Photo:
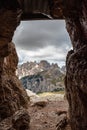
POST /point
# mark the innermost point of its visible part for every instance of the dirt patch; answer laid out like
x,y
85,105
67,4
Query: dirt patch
x,y
50,116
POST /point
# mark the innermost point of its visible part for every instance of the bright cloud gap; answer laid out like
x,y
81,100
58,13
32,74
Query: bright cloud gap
x,y
42,40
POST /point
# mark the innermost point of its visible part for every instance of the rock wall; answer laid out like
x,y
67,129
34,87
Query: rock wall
x,y
76,76
75,14
13,98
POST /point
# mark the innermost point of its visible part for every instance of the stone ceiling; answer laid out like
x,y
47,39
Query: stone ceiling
x,y
41,9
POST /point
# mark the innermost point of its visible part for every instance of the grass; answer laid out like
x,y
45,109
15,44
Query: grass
x,y
51,93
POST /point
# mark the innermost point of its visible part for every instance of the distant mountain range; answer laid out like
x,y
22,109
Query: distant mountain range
x,y
42,76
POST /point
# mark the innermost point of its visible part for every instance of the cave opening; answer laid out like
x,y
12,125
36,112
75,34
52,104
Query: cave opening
x,y
42,46
76,83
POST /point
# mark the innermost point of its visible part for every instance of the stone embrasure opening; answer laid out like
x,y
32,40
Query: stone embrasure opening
x,y
75,15
42,54
39,44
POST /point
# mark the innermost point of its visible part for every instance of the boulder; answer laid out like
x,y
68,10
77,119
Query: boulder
x,y
36,100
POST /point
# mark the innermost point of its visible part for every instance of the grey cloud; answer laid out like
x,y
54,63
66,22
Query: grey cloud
x,y
38,34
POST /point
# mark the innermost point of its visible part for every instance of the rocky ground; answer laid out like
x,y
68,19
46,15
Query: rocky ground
x,y
48,112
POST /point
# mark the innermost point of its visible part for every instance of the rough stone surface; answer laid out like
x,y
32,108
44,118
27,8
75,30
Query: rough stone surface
x,y
76,76
75,14
19,121
12,96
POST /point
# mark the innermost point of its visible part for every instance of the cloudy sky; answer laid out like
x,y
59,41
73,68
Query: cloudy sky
x,y
42,40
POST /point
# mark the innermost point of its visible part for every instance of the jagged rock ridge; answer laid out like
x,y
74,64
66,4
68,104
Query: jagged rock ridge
x,y
31,68
45,76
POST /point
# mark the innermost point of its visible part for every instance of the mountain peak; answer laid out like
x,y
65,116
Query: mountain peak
x,y
41,77
31,68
